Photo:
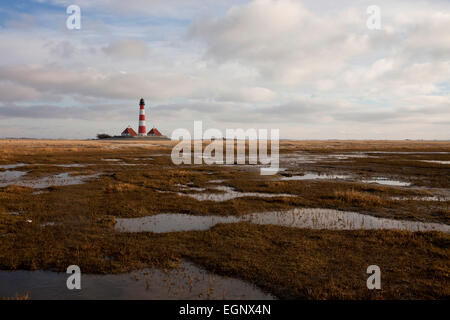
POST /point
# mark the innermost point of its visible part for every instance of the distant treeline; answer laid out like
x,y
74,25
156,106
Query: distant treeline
x,y
103,136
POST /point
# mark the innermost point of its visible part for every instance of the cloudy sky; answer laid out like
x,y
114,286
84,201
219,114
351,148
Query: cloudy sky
x,y
311,68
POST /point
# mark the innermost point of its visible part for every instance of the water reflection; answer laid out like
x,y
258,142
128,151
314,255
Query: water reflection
x,y
309,218
186,282
228,193
63,179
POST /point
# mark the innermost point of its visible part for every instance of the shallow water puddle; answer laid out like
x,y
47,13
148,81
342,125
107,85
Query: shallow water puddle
x,y
48,224
12,174
421,198
171,222
324,176
311,158
388,182
186,187
13,166
229,193
341,220
314,176
72,165
186,282
299,218
436,161
11,177
40,192
69,165
294,158
62,179
216,181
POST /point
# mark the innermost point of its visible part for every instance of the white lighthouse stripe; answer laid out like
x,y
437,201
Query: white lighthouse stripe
x,y
141,123
142,112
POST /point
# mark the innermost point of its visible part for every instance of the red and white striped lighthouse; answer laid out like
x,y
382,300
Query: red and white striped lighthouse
x,y
142,129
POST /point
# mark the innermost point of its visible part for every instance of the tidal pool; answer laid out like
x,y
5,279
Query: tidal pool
x,y
216,181
186,282
295,158
229,193
307,218
325,176
62,179
422,198
11,177
388,182
71,165
186,187
436,161
171,222
314,176
12,166
68,165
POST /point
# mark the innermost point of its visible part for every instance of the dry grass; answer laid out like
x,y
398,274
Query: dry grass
x,y
120,187
311,264
290,263
365,145
17,297
358,198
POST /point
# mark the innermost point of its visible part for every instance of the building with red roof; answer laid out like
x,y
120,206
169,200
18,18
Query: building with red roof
x,y
154,133
129,132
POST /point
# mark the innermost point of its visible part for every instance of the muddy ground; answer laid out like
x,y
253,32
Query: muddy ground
x,y
49,223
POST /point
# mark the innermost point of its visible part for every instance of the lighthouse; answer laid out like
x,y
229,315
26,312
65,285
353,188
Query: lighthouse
x,y
153,134
142,129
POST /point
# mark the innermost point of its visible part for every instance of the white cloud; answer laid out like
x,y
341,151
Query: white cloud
x,y
252,94
283,40
311,68
128,48
96,83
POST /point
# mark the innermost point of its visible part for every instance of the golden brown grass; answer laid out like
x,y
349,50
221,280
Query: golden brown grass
x,y
365,145
312,264
17,297
290,263
358,198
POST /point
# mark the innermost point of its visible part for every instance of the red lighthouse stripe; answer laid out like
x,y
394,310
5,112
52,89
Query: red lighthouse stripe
x,y
142,129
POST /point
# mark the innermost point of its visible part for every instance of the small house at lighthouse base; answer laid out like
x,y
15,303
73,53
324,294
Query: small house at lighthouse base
x,y
128,132
154,133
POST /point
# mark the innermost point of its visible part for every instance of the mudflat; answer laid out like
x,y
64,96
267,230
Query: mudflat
x,y
62,203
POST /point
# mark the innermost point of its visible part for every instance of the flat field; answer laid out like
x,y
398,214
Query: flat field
x,y
122,208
